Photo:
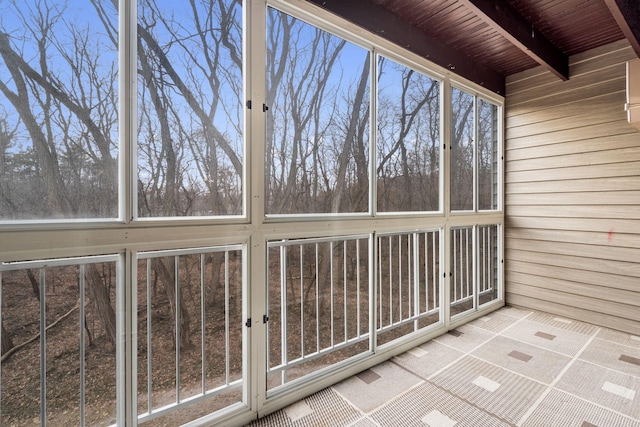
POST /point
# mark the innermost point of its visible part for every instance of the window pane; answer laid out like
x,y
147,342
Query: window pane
x,y
408,169
488,265
190,115
318,304
317,143
59,332
189,332
488,182
462,116
408,284
463,278
58,110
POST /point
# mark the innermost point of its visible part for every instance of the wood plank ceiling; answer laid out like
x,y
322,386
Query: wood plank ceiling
x,y
487,40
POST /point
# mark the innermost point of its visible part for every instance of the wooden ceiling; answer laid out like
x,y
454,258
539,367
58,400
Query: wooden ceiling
x,y
487,40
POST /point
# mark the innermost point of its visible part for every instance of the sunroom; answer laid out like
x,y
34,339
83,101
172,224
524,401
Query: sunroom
x,y
212,209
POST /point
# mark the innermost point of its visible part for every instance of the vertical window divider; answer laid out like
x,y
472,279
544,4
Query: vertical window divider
x,y
203,323
127,127
126,339
344,289
373,132
283,310
302,347
178,315
476,140
227,367
149,342
444,279
43,347
256,279
475,270
373,295
81,283
416,275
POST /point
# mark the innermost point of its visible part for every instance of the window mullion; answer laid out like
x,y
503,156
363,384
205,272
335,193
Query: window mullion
x,y
476,138
373,130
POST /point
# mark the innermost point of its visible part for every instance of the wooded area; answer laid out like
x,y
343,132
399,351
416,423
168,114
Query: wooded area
x,y
61,152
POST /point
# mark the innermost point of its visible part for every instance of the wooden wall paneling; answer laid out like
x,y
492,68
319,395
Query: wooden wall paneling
x,y
572,193
598,284
629,169
600,225
589,315
604,143
627,272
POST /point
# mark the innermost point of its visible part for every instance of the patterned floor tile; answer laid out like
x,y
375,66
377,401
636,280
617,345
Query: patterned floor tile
x,y
563,323
532,362
497,371
429,405
517,312
614,356
619,337
436,356
491,388
611,389
465,338
369,393
562,409
494,322
325,408
547,336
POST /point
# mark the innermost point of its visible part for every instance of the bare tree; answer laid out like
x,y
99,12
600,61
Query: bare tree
x,y
408,139
462,142
44,104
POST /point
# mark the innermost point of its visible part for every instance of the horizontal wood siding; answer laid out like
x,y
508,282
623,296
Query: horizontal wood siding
x,y
572,192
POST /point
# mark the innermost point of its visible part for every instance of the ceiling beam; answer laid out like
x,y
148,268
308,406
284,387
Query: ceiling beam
x,y
380,21
507,21
627,16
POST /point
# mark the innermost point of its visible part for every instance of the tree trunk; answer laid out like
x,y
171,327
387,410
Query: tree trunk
x,y
35,286
102,303
167,277
7,342
217,261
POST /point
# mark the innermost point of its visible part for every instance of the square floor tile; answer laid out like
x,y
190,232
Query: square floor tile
x,y
619,337
563,323
496,390
428,405
547,336
494,322
517,312
437,357
469,339
367,396
615,356
562,409
533,362
364,422
314,410
603,386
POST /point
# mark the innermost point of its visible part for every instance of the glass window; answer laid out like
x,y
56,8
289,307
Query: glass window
x,y
408,283
317,141
318,304
475,181
59,341
58,110
462,147
190,332
488,181
190,112
408,167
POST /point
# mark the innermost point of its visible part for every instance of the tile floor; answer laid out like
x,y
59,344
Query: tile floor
x,y
513,367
